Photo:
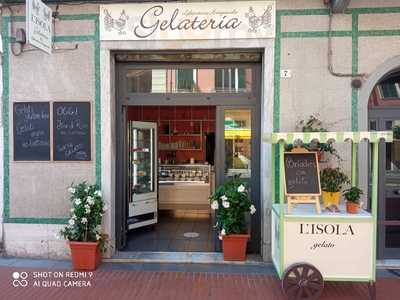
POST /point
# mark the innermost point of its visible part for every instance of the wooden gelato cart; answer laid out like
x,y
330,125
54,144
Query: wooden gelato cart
x,y
312,245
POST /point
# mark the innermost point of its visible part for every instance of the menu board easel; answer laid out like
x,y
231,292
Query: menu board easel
x,y
302,181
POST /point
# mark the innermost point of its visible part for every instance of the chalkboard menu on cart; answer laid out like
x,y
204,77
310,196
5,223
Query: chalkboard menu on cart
x,y
31,130
301,173
71,131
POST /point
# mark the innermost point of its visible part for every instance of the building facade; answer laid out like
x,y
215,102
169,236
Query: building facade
x,y
306,67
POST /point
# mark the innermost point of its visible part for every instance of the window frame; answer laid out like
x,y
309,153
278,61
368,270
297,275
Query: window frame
x,y
176,98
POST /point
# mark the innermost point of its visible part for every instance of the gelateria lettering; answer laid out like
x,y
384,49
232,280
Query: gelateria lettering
x,y
154,19
326,229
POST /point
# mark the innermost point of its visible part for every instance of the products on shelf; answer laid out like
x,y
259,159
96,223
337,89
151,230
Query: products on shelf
x,y
184,173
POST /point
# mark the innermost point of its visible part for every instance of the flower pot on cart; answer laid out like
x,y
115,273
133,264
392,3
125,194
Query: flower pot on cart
x,y
330,198
352,196
85,255
352,207
234,246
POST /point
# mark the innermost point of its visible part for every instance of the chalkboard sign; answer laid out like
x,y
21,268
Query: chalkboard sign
x,y
31,129
71,131
301,173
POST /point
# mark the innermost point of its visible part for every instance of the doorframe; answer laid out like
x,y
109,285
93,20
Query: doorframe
x,y
254,101
255,235
381,115
364,115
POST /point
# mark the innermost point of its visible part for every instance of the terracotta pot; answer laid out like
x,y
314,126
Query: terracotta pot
x,y
85,255
352,208
234,246
329,198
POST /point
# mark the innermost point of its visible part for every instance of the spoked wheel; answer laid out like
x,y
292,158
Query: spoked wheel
x,y
372,290
302,282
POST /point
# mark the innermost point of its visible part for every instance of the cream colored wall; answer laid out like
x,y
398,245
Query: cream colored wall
x,y
39,189
312,89
68,76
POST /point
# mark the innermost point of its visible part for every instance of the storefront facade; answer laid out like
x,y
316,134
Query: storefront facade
x,y
294,83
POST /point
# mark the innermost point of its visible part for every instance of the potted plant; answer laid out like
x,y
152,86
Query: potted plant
x,y
232,204
352,196
332,181
84,226
314,124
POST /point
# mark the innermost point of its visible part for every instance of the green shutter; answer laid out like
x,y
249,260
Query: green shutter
x,y
242,78
185,79
389,90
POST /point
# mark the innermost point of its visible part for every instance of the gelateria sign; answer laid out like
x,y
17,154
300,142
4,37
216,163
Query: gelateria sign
x,y
39,25
176,21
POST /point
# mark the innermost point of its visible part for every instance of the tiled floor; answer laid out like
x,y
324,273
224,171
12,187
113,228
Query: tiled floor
x,y
168,233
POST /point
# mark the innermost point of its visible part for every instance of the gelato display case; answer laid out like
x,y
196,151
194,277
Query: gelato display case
x,y
185,186
142,175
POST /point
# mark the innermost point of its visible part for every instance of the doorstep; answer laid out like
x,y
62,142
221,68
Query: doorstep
x,y
180,257
388,264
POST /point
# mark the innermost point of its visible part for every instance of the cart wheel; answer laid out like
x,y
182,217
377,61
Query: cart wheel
x,y
372,290
302,281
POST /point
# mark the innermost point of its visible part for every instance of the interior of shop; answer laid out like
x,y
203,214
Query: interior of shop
x,y
185,178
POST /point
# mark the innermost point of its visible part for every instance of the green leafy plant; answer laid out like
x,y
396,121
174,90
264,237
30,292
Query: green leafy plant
x,y
353,194
332,180
314,124
86,215
231,202
396,131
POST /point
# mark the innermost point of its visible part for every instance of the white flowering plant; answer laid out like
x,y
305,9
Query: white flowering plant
x,y
84,224
231,203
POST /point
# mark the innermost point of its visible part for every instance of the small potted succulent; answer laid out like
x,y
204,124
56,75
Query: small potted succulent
x,y
84,226
352,196
332,181
232,205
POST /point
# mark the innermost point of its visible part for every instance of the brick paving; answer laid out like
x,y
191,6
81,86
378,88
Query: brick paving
x,y
153,285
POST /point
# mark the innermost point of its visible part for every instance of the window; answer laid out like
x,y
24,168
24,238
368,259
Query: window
x,y
389,90
230,80
185,80
189,80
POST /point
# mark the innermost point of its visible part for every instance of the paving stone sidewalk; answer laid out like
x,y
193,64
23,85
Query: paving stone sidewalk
x,y
165,281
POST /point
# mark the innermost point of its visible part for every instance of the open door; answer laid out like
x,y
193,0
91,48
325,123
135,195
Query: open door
x,y
141,174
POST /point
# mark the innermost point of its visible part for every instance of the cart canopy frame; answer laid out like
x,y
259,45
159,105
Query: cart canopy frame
x,y
355,138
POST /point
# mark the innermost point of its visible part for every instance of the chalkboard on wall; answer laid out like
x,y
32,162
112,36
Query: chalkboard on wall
x,y
31,130
71,131
301,173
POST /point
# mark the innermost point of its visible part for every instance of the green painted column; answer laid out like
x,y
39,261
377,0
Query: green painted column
x,y
281,207
354,159
281,174
374,203
273,177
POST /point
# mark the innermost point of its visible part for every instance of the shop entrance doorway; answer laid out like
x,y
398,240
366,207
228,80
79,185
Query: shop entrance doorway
x,y
384,114
206,120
